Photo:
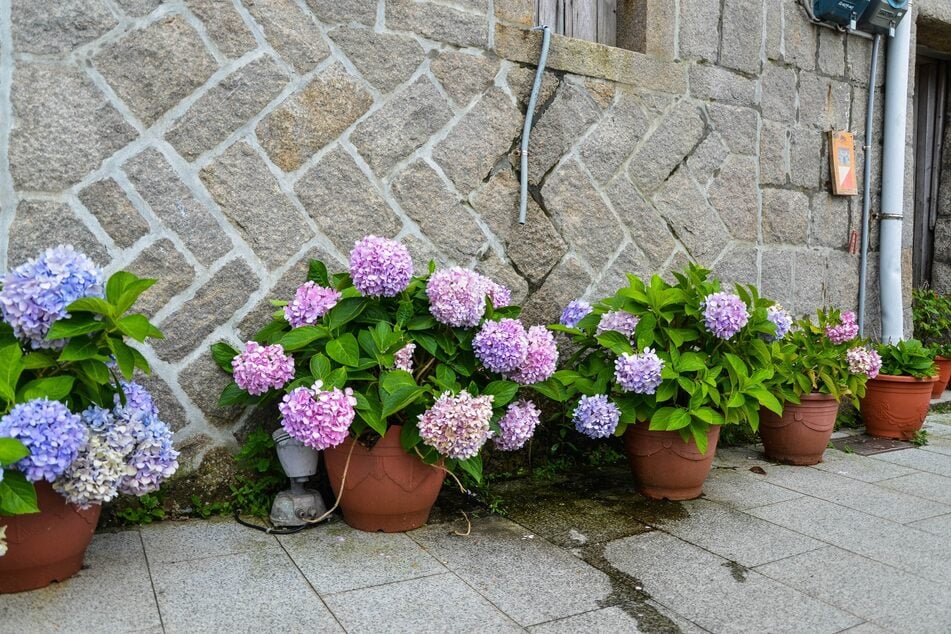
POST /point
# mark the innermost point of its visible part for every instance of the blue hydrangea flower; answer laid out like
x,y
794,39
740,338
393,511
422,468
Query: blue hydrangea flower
x,y
782,320
575,311
501,345
52,433
596,416
639,373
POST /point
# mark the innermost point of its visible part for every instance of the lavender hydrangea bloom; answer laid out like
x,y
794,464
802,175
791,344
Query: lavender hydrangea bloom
x,y
518,424
457,426
501,345
261,368
153,461
575,311
845,331
95,474
380,267
619,321
863,360
639,373
311,302
36,293
541,357
781,319
403,359
596,416
52,433
724,314
316,417
456,296
501,296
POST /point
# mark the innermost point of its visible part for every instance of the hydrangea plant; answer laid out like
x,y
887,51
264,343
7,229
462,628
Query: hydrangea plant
x,y
907,358
70,413
443,355
682,356
931,312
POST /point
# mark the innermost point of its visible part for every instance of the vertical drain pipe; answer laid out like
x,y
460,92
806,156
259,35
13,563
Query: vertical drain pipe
x,y
527,128
893,182
867,179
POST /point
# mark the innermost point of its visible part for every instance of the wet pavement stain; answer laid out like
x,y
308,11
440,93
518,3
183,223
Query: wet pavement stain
x,y
739,571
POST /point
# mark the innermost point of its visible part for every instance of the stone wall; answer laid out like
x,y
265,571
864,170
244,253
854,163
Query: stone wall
x,y
220,144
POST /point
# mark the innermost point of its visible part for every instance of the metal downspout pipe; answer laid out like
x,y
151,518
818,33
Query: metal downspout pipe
x,y
867,179
893,182
529,115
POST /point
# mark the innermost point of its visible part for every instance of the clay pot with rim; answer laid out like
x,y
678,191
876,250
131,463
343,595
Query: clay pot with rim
x,y
386,489
47,546
800,436
666,467
944,375
896,406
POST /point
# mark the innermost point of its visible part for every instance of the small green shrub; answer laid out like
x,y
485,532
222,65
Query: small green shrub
x,y
907,358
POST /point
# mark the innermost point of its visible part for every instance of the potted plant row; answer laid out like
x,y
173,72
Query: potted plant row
x,y
897,400
931,313
75,429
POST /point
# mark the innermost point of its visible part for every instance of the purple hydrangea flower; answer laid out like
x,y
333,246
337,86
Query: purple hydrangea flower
x,y
501,296
724,314
781,319
845,331
153,460
541,357
316,417
261,368
36,293
518,424
501,345
457,426
456,296
575,311
619,321
863,360
639,373
380,267
403,359
310,303
52,433
596,416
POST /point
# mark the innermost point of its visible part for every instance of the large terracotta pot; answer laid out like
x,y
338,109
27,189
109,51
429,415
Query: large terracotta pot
x,y
944,375
387,489
666,467
896,406
801,434
47,546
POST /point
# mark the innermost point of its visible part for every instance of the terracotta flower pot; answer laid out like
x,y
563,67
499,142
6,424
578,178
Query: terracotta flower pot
x,y
944,375
896,406
801,434
387,489
47,546
666,467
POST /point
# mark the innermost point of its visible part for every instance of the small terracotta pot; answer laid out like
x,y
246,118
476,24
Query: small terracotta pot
x,y
896,406
387,489
47,546
944,375
801,434
666,467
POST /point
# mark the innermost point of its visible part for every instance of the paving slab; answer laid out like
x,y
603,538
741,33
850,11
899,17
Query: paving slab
x,y
243,592
938,425
524,575
924,485
439,603
112,593
940,526
170,542
919,460
719,595
858,467
734,487
938,444
889,597
615,619
898,545
866,628
337,558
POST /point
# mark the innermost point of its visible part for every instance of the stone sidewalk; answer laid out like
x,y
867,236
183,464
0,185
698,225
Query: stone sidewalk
x,y
856,543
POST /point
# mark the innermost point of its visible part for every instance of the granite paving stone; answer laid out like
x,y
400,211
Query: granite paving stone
x,y
924,485
940,525
864,468
172,542
929,461
736,488
617,619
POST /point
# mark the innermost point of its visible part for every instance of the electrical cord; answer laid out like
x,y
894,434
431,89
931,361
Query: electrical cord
x,y
271,530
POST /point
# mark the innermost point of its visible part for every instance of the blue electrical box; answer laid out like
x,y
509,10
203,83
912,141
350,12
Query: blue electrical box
x,y
882,16
842,12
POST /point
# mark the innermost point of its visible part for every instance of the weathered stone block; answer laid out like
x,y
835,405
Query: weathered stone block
x,y
161,261
666,147
810,267
858,58
519,12
719,84
252,200
742,35
779,91
737,266
691,218
842,290
344,203
805,157
647,228
56,28
40,224
312,117
700,29
571,113
154,68
823,102
109,204
831,53
785,216
479,140
566,282
64,127
226,107
437,22
293,33
737,127
773,154
403,124
174,205
137,8
224,26
706,159
203,382
520,80
342,11
385,60
734,194
502,272
426,198
462,75
168,404
776,276
217,300
774,29
613,140
799,38
830,221
630,260
583,218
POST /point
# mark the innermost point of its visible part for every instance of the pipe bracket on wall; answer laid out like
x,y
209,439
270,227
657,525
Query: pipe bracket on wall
x,y
529,116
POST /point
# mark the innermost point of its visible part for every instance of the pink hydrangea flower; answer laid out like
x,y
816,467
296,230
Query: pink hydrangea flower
x,y
847,330
403,359
863,360
310,303
501,345
518,424
261,368
540,358
457,426
318,418
380,267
